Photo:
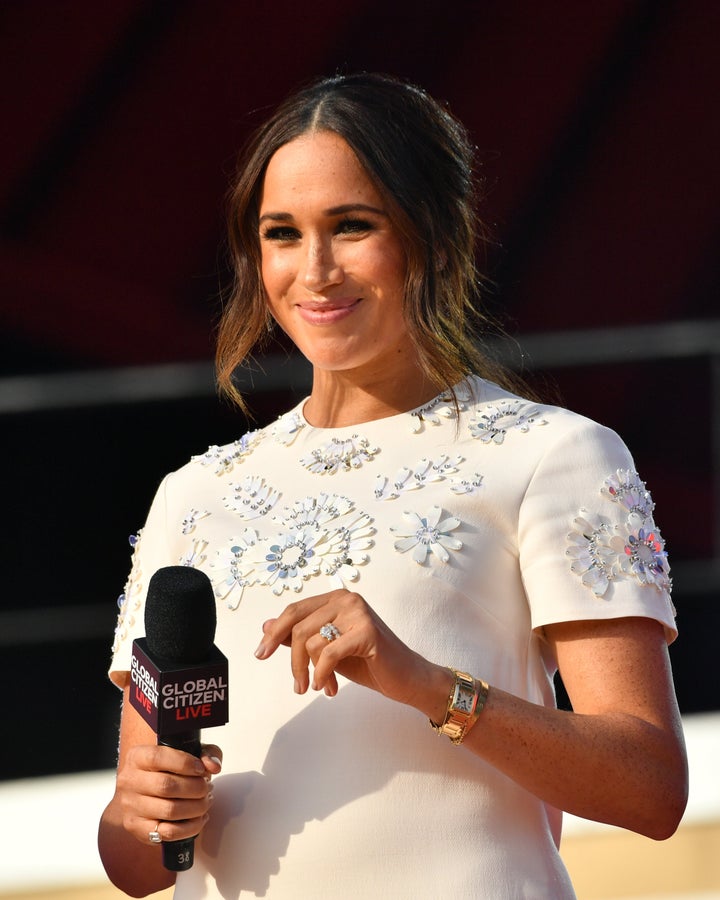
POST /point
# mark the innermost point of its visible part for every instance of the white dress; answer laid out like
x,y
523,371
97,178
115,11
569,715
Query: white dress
x,y
467,532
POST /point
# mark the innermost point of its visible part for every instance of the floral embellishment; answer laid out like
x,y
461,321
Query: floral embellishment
x,y
252,498
129,601
287,559
466,485
604,552
592,557
287,428
441,407
195,556
340,453
319,535
427,470
191,519
492,425
234,567
642,553
627,489
223,459
427,534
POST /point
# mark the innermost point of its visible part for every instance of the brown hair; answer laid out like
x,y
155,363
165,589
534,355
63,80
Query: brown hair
x,y
420,160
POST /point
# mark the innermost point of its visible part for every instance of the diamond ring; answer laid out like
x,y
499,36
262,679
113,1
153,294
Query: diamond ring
x,y
330,632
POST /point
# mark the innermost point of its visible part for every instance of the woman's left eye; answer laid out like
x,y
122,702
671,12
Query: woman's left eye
x,y
354,226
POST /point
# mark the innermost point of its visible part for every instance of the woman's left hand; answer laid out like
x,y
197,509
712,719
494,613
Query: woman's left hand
x,y
365,650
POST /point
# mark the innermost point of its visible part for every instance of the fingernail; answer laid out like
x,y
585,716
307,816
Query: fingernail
x,y
298,689
218,762
261,651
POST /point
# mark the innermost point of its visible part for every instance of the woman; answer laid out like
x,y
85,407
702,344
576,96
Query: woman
x,y
412,514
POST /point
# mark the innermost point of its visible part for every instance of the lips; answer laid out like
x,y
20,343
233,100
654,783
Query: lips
x,y
327,312
328,305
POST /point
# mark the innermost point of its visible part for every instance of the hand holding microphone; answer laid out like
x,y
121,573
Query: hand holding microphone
x,y
179,679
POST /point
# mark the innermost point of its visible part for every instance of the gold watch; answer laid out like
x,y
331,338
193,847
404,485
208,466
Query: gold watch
x,y
465,703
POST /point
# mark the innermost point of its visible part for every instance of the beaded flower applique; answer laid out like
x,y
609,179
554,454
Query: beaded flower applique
x,y
318,535
602,552
441,407
195,555
233,568
340,454
251,498
129,601
287,428
191,520
424,471
225,458
427,534
492,425
323,535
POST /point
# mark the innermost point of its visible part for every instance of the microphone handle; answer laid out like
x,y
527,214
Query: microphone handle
x,y
178,856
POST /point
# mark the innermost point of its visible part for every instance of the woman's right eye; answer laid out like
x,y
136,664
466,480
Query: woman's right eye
x,y
282,233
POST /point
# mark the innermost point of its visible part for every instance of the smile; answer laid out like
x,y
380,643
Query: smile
x,y
327,312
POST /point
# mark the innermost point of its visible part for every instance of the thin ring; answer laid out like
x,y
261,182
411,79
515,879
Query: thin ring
x,y
154,836
330,632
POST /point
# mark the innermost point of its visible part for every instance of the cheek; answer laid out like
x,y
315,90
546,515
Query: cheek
x,y
275,272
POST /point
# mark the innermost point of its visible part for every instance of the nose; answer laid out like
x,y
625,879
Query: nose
x,y
322,268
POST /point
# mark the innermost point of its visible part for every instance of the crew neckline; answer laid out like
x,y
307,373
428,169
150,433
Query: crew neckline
x,y
469,388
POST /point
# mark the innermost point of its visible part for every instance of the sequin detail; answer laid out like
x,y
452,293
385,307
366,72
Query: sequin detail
x,y
287,428
423,472
626,488
233,568
191,520
224,459
440,408
466,485
317,535
129,601
492,425
252,498
341,454
195,556
427,534
603,552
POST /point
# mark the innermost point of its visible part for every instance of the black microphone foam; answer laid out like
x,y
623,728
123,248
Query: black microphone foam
x,y
180,615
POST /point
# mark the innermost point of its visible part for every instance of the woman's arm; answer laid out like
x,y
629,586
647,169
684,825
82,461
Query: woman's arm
x,y
154,784
619,757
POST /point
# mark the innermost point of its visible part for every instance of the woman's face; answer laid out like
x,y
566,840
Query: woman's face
x,y
333,265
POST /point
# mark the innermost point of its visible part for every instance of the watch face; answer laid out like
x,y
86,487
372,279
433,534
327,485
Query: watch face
x,y
464,700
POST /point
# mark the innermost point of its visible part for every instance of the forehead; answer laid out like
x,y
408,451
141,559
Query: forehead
x,y
318,165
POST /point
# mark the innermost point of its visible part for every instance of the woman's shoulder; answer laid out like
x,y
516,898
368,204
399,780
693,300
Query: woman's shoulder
x,y
496,410
219,459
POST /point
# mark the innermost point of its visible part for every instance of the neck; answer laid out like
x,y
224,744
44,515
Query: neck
x,y
339,399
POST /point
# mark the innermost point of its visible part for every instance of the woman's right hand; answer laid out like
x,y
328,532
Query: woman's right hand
x,y
165,790
157,789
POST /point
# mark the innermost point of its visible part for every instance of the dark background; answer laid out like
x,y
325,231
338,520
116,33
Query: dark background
x,y
597,126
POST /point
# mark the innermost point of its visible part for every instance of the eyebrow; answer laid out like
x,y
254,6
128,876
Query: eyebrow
x,y
333,211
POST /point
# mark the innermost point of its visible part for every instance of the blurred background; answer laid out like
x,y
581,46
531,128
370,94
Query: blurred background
x,y
599,137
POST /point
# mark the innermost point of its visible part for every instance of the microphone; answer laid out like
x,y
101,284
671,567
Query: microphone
x,y
179,679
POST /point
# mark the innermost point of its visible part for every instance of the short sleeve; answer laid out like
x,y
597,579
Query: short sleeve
x,y
151,551
589,546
